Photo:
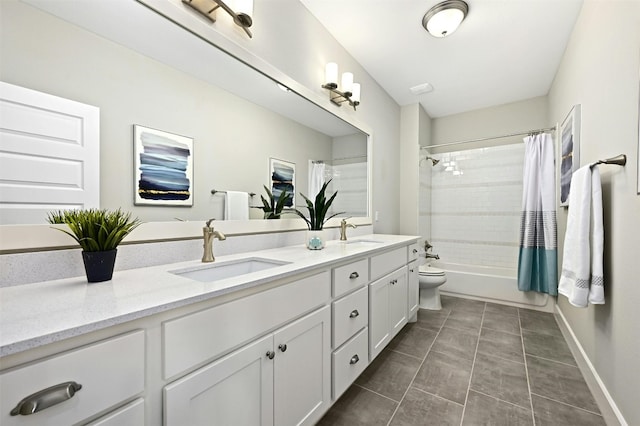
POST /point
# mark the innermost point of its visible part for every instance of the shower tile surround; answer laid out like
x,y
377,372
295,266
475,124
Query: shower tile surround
x,y
472,212
434,373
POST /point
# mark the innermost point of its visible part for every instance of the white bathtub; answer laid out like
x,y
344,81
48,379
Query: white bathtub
x,y
490,284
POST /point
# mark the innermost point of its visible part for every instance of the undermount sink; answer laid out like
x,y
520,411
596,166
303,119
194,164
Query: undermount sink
x,y
221,270
364,242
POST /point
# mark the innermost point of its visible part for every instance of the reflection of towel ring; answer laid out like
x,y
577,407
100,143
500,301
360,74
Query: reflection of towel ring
x,y
215,191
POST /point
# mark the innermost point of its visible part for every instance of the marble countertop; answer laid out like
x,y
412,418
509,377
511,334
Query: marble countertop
x,y
33,315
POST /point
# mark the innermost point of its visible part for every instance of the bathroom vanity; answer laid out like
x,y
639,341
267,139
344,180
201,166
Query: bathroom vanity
x,y
276,342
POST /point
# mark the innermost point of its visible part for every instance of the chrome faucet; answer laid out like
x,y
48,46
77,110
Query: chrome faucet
x,y
428,255
343,228
209,235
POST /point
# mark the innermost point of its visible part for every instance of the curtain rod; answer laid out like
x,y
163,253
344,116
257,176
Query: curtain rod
x,y
548,129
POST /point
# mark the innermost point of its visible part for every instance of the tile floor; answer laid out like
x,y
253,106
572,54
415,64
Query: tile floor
x,y
472,363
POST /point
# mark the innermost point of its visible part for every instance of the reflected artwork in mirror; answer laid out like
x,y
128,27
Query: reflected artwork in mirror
x,y
238,117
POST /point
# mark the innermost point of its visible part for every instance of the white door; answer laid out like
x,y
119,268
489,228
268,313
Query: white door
x,y
379,321
49,155
398,301
413,289
302,376
235,390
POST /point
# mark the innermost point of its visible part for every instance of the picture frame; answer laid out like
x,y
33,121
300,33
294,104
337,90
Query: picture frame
x,y
163,168
282,176
569,151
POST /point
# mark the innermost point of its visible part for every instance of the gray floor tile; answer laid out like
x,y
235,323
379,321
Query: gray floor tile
x,y
448,302
501,379
502,322
550,346
501,309
464,319
560,382
359,406
445,375
456,341
484,410
390,374
504,345
551,413
413,340
431,320
540,322
419,408
468,305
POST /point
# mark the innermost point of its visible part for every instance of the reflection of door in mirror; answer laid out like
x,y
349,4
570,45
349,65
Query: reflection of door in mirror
x,y
234,135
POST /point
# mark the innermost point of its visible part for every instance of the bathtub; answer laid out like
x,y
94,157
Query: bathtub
x,y
491,284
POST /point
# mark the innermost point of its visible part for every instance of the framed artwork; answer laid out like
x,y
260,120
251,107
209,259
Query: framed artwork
x,y
163,165
569,151
283,178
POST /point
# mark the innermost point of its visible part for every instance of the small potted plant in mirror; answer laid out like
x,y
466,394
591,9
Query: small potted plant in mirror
x,y
98,231
272,207
317,217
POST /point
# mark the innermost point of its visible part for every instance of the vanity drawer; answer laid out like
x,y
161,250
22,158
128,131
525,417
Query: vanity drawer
x,y
110,372
130,415
386,262
414,252
349,277
349,361
202,336
350,314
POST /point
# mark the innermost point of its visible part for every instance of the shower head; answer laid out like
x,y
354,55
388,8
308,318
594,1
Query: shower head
x,y
434,161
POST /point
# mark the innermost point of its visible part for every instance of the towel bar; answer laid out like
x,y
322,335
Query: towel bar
x,y
215,191
619,160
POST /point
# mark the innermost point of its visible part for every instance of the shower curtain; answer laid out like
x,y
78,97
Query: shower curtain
x,y
537,263
316,178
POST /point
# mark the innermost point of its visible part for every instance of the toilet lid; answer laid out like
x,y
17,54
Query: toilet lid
x,y
430,271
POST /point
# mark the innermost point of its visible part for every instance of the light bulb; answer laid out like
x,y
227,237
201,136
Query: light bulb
x,y
331,75
356,93
347,83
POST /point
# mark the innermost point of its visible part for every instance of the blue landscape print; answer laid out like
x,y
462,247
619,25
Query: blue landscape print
x,y
282,179
164,168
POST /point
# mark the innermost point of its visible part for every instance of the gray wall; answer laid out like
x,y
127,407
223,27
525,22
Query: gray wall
x,y
233,138
600,71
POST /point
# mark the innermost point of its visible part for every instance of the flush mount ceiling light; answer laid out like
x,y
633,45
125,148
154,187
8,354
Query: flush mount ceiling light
x,y
444,18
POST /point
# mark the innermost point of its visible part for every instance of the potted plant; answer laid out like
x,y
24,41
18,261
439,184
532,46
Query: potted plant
x,y
98,231
317,216
273,208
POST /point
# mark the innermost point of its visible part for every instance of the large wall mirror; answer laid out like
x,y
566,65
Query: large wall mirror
x,y
141,69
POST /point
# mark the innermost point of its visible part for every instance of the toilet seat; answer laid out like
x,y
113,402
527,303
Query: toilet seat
x,y
428,271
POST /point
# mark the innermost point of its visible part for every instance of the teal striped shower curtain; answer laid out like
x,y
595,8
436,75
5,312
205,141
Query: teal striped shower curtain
x,y
538,259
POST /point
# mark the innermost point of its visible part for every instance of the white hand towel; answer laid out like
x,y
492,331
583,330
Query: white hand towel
x,y
582,269
237,206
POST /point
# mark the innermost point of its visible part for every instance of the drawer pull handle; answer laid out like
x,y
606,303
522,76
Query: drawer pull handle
x,y
354,275
393,282
46,398
271,354
354,313
354,359
282,347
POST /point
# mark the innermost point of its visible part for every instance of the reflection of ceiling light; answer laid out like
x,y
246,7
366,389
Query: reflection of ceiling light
x,y
445,17
283,87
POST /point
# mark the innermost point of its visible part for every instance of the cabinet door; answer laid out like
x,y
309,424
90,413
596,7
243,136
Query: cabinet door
x,y
302,375
398,301
379,321
235,390
413,289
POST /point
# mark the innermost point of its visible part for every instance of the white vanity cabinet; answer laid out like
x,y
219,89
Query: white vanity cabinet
x,y
413,288
280,379
387,309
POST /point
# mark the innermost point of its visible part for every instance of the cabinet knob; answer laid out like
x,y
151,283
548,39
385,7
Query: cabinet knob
x,y
46,398
393,282
354,359
411,270
354,313
271,354
415,251
282,347
354,275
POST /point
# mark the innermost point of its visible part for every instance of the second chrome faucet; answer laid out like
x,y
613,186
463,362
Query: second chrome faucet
x,y
209,235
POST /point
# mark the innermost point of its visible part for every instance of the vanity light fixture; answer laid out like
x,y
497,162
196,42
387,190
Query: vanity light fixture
x,y
445,17
349,91
242,17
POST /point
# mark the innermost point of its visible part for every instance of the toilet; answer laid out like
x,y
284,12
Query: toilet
x,y
430,279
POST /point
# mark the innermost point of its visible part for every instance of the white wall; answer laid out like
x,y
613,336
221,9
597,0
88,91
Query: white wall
x,y
233,138
600,71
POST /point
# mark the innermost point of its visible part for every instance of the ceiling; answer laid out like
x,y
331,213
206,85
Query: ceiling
x,y
504,51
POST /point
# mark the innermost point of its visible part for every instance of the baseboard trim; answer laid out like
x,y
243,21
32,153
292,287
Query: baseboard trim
x,y
610,413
